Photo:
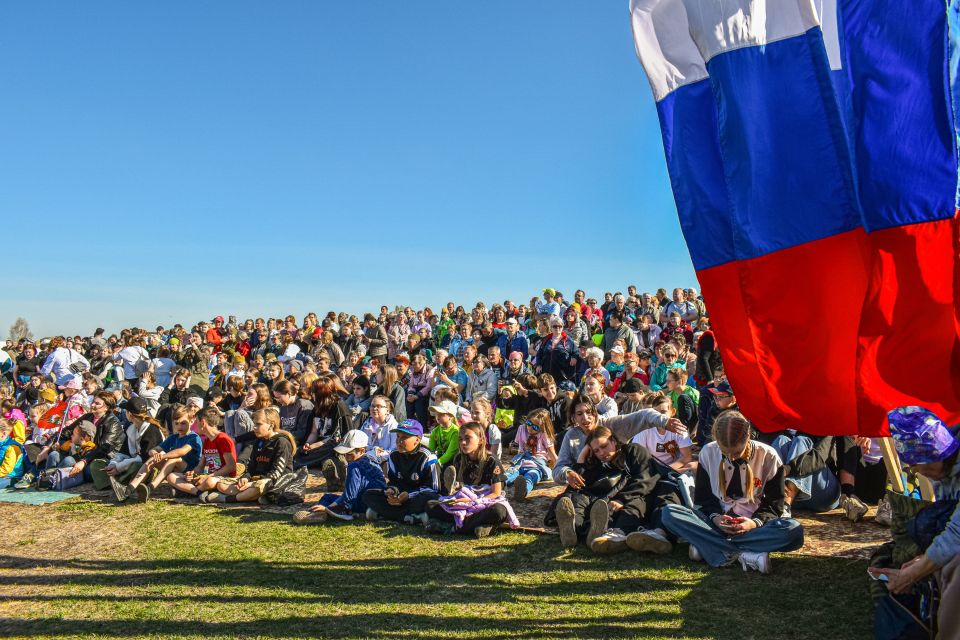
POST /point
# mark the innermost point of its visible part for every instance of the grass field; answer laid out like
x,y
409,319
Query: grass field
x,y
88,569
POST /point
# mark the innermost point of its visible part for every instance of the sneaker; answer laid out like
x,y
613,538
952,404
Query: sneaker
x,y
340,512
25,481
520,489
310,517
120,491
884,513
331,473
449,480
694,554
853,507
143,492
164,491
565,516
599,517
609,542
209,497
483,532
653,540
758,561
371,515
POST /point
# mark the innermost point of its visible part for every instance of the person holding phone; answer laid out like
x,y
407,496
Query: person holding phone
x,y
739,502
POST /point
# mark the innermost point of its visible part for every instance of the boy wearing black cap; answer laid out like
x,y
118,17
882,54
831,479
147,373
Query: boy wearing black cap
x,y
413,479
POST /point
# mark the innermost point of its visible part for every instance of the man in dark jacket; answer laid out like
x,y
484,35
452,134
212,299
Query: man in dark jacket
x,y
375,337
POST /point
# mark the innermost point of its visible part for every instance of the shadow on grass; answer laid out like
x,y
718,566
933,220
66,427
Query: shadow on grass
x,y
519,586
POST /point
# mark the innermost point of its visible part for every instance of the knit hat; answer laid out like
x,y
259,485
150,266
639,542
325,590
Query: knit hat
x,y
550,292
920,436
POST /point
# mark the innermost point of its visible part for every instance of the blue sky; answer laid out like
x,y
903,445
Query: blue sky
x,y
166,162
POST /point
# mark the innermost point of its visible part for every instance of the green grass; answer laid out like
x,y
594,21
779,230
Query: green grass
x,y
196,572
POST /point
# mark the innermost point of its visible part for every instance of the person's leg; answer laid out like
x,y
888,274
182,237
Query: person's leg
x,y
418,504
789,448
581,507
694,527
782,534
492,516
66,461
328,499
871,483
948,616
179,482
513,472
376,501
532,476
168,467
53,460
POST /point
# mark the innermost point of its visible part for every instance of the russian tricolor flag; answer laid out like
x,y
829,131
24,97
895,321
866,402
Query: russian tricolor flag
x,y
812,151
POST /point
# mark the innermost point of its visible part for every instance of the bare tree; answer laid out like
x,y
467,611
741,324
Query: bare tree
x,y
20,329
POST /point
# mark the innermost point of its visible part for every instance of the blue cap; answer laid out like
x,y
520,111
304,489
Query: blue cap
x,y
412,427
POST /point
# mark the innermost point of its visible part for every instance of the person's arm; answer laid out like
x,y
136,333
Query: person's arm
x,y
626,426
278,466
811,460
453,447
48,363
703,495
771,504
564,461
946,545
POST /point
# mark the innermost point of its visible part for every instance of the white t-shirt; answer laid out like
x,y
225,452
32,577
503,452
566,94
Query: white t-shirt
x,y
665,447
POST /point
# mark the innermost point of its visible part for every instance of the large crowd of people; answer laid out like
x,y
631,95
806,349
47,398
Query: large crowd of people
x,y
447,420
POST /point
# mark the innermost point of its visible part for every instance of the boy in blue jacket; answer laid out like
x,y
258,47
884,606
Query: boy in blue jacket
x,y
362,474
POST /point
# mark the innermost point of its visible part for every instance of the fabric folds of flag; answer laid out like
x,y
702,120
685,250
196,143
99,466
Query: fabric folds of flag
x,y
812,152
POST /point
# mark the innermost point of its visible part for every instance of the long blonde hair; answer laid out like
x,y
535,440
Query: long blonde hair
x,y
731,430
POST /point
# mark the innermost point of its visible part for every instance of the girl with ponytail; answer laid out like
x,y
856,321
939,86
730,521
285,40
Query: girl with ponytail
x,y
739,501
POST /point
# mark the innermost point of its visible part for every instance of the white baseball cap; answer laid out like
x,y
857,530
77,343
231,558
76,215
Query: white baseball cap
x,y
354,439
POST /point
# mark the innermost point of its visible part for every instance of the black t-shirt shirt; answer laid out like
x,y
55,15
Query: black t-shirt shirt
x,y
28,366
490,472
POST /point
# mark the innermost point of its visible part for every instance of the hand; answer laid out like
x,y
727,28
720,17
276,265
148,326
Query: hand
x,y
306,447
864,444
575,480
110,470
156,458
676,426
242,484
77,469
743,525
615,506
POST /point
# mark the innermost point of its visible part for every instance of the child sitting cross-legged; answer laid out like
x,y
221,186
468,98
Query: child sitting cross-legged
x,y
219,458
363,473
413,479
268,459
178,452
739,498
477,504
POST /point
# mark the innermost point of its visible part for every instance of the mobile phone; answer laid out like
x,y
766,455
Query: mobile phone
x,y
882,577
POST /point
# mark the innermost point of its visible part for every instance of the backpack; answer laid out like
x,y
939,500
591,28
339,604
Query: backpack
x,y
288,489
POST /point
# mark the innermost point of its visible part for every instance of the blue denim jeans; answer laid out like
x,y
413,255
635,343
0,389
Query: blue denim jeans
x,y
532,475
782,534
819,491
55,460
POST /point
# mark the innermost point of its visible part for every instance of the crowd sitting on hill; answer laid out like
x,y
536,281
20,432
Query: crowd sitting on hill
x,y
445,420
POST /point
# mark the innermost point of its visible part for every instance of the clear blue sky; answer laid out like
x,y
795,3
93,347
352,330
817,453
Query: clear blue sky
x,y
165,162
